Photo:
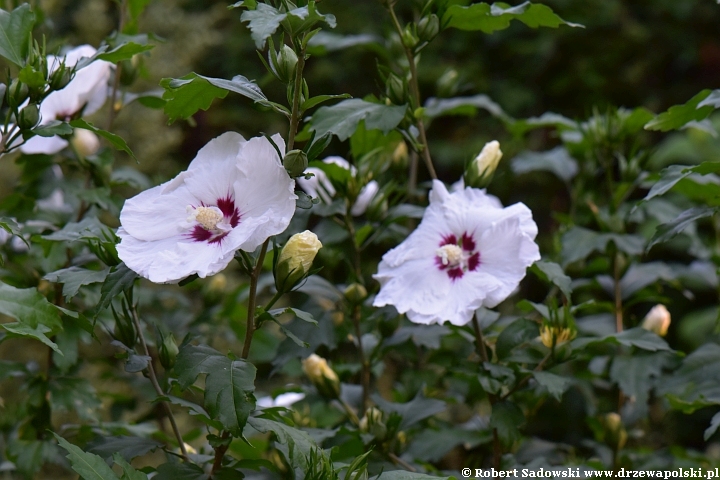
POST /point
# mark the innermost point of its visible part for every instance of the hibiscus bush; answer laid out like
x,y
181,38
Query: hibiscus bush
x,y
345,287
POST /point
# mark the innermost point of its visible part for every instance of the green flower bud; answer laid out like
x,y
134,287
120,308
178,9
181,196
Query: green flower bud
x,y
409,39
168,350
355,293
481,170
447,84
295,260
322,376
60,78
128,72
17,93
124,328
285,63
428,27
295,162
29,116
395,89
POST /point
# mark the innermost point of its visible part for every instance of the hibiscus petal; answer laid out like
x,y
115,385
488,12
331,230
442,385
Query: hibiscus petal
x,y
214,169
171,259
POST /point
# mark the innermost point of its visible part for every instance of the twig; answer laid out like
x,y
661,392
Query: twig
x,y
154,380
252,300
295,115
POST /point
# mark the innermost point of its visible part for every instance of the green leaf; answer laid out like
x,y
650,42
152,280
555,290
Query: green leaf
x,y
127,447
554,274
180,471
55,127
74,277
136,7
414,411
187,95
696,383
678,116
556,161
428,336
634,337
343,118
296,445
88,228
304,19
262,22
29,307
315,101
129,473
37,332
194,410
120,279
547,119
668,178
229,384
578,243
436,107
507,417
634,374
124,52
666,231
31,77
520,331
15,33
324,42
555,385
115,140
87,465
490,18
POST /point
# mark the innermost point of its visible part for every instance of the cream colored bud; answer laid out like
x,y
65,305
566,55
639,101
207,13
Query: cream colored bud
x,y
615,433
295,259
372,423
657,320
400,154
481,170
85,142
322,376
556,336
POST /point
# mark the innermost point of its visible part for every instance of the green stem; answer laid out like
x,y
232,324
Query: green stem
x,y
415,90
252,300
153,379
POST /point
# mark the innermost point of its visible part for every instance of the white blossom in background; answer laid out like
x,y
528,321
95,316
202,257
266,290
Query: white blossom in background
x,y
282,400
86,92
468,252
234,195
320,186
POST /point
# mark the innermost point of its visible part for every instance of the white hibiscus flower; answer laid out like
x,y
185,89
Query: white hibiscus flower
x,y
468,252
320,186
85,93
234,195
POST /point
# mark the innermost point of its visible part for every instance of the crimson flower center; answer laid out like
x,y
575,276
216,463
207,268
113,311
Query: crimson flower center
x,y
213,223
457,256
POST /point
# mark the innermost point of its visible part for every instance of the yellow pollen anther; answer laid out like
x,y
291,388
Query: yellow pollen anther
x,y
208,217
450,254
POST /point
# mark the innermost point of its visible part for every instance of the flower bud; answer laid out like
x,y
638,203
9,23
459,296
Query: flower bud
x,y
295,260
295,162
481,170
124,327
85,142
657,320
17,93
372,423
447,84
29,116
409,39
355,293
322,376
554,336
400,154
615,433
168,350
428,27
128,71
60,77
285,63
395,89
